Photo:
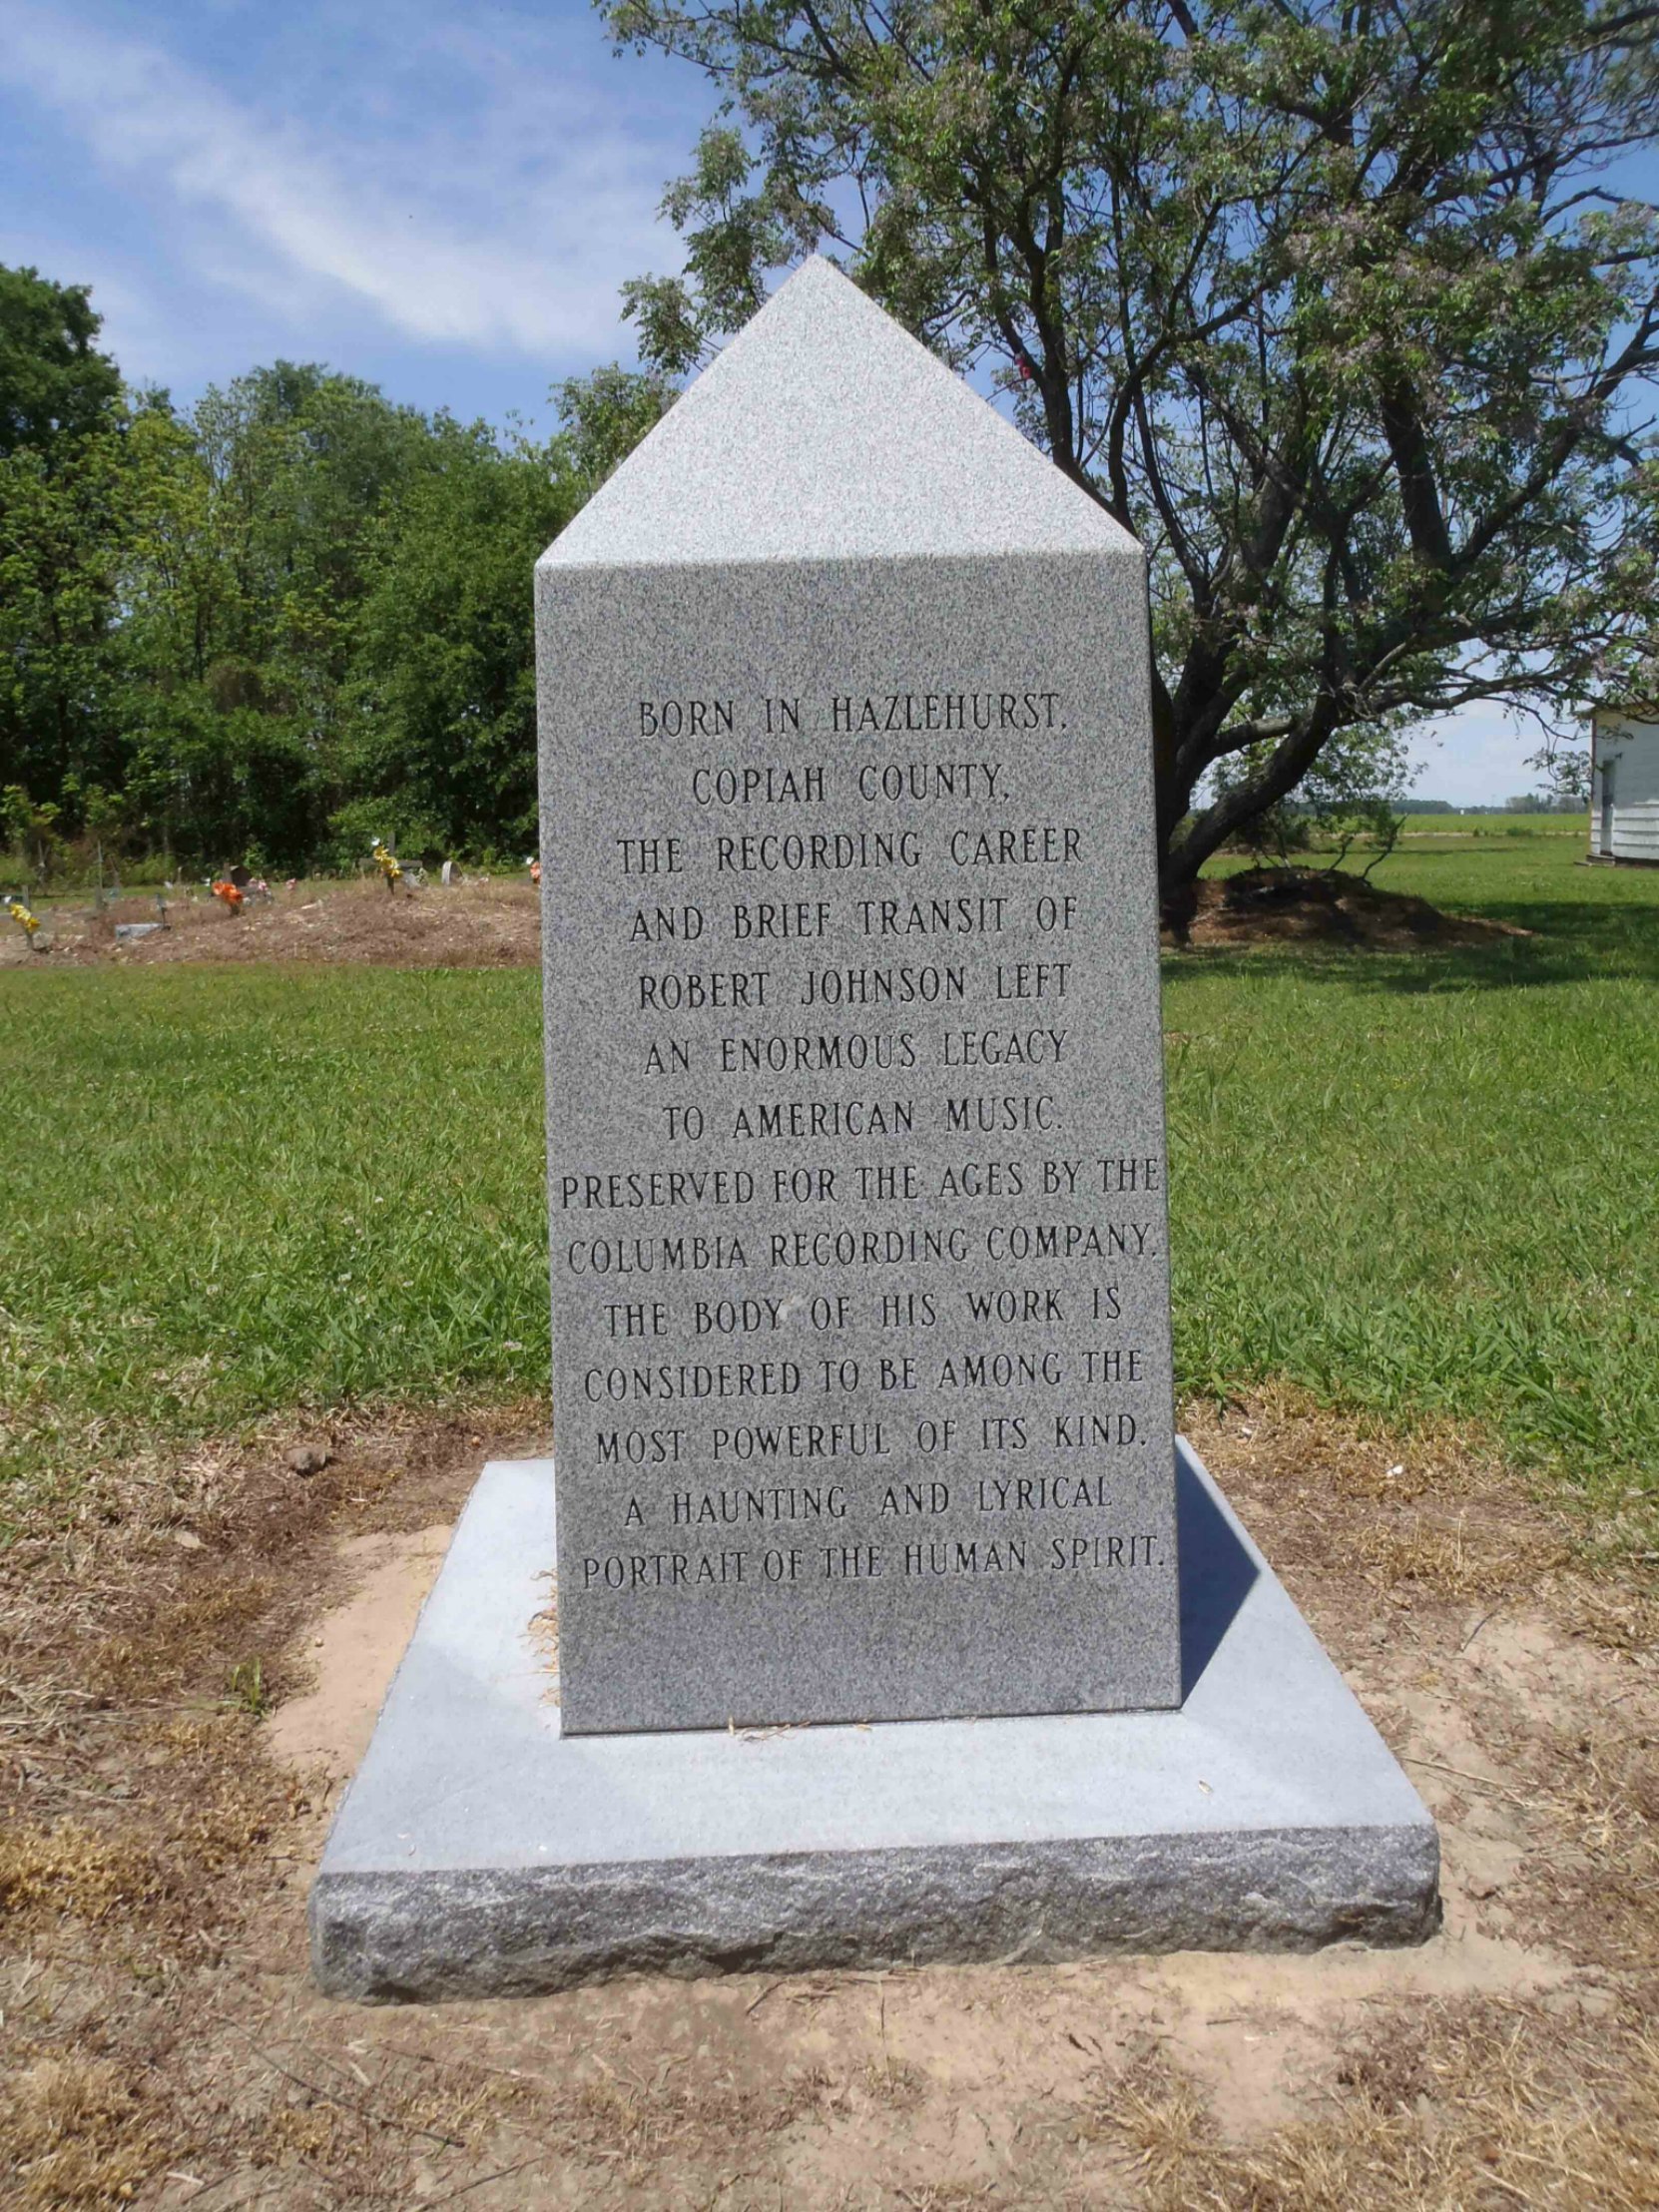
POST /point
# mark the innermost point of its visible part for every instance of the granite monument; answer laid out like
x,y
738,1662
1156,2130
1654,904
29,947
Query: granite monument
x,y
893,1621
855,1130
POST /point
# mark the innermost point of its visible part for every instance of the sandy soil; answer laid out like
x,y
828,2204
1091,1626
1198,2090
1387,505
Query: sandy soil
x,y
193,1666
323,1733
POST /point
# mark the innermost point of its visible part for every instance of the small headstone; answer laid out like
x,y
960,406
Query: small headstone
x,y
127,931
862,1382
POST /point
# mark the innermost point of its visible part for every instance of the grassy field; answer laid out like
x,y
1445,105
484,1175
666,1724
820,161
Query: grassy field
x,y
1423,1183
1426,1184
232,1190
1500,826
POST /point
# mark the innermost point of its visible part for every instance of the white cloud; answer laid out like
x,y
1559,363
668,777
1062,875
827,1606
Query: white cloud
x,y
506,229
1477,756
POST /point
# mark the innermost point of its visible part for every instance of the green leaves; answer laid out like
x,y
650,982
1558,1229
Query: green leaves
x,y
438,734
603,415
63,519
230,633
55,388
1334,308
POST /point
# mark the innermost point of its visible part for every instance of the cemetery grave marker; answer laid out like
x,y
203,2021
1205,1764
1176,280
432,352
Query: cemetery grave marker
x,y
860,1322
856,1090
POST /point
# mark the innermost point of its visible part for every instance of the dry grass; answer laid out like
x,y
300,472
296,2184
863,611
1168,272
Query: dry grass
x,y
637,2122
1464,2105
74,1871
73,2134
1596,1879
1441,1512
158,2022
1156,2119
1611,1613
1459,1558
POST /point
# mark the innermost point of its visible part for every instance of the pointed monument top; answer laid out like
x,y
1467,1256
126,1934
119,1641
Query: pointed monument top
x,y
825,431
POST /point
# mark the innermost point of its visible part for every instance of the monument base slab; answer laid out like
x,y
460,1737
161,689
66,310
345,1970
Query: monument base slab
x,y
479,1853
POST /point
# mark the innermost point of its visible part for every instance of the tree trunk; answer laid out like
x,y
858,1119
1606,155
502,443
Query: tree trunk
x,y
1179,858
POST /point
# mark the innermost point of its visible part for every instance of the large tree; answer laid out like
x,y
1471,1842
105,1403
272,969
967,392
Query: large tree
x,y
443,744
54,385
1341,309
255,531
62,417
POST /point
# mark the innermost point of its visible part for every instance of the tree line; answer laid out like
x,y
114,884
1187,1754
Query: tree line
x,y
1346,308
275,624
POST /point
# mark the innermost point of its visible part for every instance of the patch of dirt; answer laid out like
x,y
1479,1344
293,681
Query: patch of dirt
x,y
354,1653
471,925
164,2046
1293,905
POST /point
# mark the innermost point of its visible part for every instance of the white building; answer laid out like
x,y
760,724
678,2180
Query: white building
x,y
1624,784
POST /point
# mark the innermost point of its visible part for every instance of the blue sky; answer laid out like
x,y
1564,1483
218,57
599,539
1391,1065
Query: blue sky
x,y
439,197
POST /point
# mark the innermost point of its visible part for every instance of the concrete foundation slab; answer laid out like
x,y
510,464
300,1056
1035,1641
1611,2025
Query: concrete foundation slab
x,y
480,1853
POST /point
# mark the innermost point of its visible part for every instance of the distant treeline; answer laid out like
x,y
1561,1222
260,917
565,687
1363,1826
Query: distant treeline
x,y
1525,803
273,625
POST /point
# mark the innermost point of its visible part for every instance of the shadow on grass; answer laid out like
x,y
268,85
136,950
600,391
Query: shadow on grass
x,y
1574,943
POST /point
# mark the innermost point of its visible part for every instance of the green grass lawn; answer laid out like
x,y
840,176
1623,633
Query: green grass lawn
x,y
1423,1185
1427,1184
229,1191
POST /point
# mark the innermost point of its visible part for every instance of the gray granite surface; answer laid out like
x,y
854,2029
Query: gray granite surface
x,y
862,1363
824,432
480,1852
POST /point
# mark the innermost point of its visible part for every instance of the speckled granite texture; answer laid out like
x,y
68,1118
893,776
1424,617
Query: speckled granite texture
x,y
872,449
480,1853
834,570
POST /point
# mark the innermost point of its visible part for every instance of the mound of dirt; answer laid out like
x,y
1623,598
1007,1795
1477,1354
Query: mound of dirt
x,y
477,924
1287,906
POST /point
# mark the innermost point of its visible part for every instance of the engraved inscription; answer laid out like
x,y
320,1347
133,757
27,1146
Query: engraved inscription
x,y
858,1193
950,1210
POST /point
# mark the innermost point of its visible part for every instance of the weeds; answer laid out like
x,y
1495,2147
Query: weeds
x,y
246,1690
